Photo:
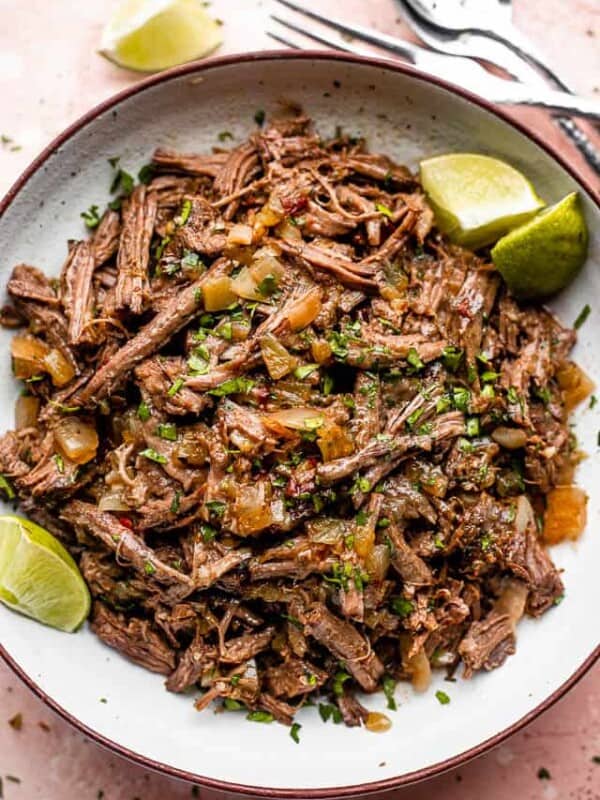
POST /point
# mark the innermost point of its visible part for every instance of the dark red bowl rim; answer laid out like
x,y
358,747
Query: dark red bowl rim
x,y
295,794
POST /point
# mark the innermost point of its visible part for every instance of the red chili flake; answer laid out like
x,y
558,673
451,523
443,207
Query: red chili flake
x,y
293,205
464,309
126,522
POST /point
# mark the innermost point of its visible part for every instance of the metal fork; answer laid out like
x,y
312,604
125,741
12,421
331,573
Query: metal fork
x,y
461,71
476,45
484,30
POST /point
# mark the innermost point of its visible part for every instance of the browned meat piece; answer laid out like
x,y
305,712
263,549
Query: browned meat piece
x,y
411,568
281,711
52,323
197,660
488,643
139,212
77,293
240,167
353,712
209,165
157,375
346,271
346,644
202,232
152,336
122,540
528,560
30,283
378,167
11,456
367,413
133,638
105,241
245,647
10,317
294,677
107,580
405,501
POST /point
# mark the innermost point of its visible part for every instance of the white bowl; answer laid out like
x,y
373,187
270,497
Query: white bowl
x,y
408,116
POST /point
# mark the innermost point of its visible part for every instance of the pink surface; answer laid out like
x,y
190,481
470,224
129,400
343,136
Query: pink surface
x,y
49,75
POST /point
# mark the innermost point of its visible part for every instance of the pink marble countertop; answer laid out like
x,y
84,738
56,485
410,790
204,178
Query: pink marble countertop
x,y
49,75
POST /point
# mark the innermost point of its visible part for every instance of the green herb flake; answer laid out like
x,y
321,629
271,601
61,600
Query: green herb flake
x,y
582,316
488,392
442,697
387,212
305,370
241,385
91,217
152,455
59,461
229,704
414,359
184,214
412,418
149,568
260,716
451,357
223,136
325,711
389,687
167,430
268,285
593,401
175,503
489,376
472,426
7,488
122,181
542,773
146,173
401,606
259,117
207,532
339,680
216,507
175,387
461,398
295,732
143,411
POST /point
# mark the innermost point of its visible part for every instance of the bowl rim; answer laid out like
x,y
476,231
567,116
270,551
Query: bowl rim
x,y
244,789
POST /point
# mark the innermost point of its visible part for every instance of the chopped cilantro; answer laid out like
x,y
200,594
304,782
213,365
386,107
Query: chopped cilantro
x,y
184,214
175,503
151,454
259,117
414,359
442,697
412,418
167,430
197,363
387,212
207,532
461,398
232,705
59,461
443,404
143,411
149,568
362,518
6,488
451,357
268,285
328,384
146,173
91,217
122,181
512,396
389,686
593,401
472,426
175,387
582,316
260,716
224,136
216,507
295,731
488,392
465,446
304,370
241,385
401,606
489,376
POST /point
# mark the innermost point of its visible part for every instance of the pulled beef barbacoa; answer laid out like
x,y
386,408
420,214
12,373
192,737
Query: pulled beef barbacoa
x,y
298,443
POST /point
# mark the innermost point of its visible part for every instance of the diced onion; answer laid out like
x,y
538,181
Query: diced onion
x,y
271,213
217,293
299,419
364,540
575,385
565,515
524,515
378,722
32,356
287,230
264,263
112,501
240,329
321,351
252,509
278,360
244,285
420,671
333,441
61,371
240,234
509,438
304,310
512,600
26,411
378,562
76,439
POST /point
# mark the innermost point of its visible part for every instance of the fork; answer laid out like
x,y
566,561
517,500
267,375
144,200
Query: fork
x,y
476,45
461,71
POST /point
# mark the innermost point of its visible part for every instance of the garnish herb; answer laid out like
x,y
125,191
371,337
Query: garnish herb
x,y
175,503
59,461
389,686
387,212
146,173
143,411
7,488
224,136
175,387
295,732
149,568
451,357
338,682
582,316
260,716
414,359
168,431
91,217
305,370
259,117
241,385
401,606
151,454
442,697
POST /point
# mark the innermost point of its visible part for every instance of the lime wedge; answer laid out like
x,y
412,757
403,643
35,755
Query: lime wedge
x,y
150,35
38,577
477,199
544,255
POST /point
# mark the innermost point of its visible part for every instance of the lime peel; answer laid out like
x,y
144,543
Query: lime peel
x,y
543,256
38,577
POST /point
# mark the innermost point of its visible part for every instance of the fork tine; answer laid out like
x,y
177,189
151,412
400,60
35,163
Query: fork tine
x,y
311,34
395,45
281,40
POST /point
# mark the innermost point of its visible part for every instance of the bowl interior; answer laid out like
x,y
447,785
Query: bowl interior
x,y
408,118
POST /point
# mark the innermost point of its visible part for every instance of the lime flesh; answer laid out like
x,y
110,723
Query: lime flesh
x,y
476,198
544,255
38,577
151,35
